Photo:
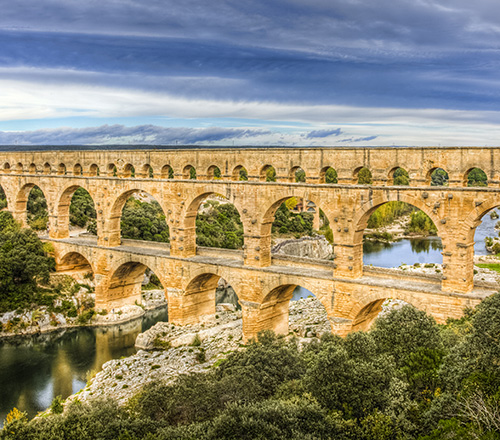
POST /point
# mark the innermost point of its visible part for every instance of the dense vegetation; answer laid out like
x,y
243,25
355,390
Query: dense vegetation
x,y
477,177
82,209
38,216
219,225
439,177
144,221
406,379
24,265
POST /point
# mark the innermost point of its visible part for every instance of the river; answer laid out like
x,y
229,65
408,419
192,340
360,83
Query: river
x,y
35,369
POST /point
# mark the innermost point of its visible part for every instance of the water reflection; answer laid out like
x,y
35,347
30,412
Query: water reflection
x,y
33,370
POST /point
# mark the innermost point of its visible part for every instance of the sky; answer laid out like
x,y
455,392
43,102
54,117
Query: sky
x,y
252,72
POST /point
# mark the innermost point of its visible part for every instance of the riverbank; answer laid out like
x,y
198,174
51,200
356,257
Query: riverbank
x,y
167,350
41,320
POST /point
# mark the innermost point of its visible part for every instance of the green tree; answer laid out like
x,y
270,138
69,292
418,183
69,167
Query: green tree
x,y
38,216
331,176
401,177
439,177
23,264
219,225
477,177
82,209
364,177
270,174
144,221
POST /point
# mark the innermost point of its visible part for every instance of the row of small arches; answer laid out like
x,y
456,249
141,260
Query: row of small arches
x,y
362,175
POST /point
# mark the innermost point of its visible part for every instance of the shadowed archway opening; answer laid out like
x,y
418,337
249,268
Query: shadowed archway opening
x,y
365,318
328,175
77,170
399,177
128,171
189,172
6,168
240,173
112,170
218,223
147,172
297,175
61,169
437,177
76,265
476,177
291,308
363,176
32,169
267,174
398,234
167,172
214,173
132,283
94,170
204,296
47,168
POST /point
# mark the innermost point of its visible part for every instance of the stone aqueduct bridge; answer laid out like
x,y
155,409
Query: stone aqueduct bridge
x,y
351,294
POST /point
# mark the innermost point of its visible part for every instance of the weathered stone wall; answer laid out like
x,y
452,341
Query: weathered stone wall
x,y
193,273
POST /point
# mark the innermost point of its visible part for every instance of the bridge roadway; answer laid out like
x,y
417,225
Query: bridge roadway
x,y
264,293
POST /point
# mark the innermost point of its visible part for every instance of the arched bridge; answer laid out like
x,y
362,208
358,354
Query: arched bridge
x,y
352,294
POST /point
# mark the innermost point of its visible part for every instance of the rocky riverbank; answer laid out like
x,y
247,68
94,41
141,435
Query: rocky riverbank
x,y
167,350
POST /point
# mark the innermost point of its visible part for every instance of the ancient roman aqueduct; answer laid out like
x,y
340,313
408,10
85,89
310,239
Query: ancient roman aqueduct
x,y
352,294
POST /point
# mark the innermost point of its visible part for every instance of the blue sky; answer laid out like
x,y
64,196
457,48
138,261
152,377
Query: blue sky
x,y
288,72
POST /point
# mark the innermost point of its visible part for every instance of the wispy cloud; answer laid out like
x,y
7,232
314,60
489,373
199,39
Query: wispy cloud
x,y
116,134
323,133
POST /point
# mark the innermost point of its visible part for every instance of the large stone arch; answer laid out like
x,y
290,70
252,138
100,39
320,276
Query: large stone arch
x,y
189,219
123,283
362,215
21,202
196,299
474,217
115,214
63,205
73,261
273,311
368,307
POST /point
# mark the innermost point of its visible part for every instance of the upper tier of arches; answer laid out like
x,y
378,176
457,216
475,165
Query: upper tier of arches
x,y
461,167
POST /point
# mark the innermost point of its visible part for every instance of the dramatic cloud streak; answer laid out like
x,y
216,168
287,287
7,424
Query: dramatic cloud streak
x,y
382,67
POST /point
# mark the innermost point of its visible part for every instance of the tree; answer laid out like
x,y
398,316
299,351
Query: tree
x,y
82,209
401,177
331,176
364,177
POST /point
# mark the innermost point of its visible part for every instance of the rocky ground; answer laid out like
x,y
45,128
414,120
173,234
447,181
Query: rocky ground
x,y
167,350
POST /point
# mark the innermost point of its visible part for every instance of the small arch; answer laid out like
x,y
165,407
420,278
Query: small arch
x,y
297,174
6,168
399,177
94,170
240,173
125,285
267,174
77,170
201,296
362,176
61,170
167,172
112,170
213,173
328,175
32,169
189,172
19,168
47,169
74,263
475,177
128,171
147,171
274,313
365,315
437,177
